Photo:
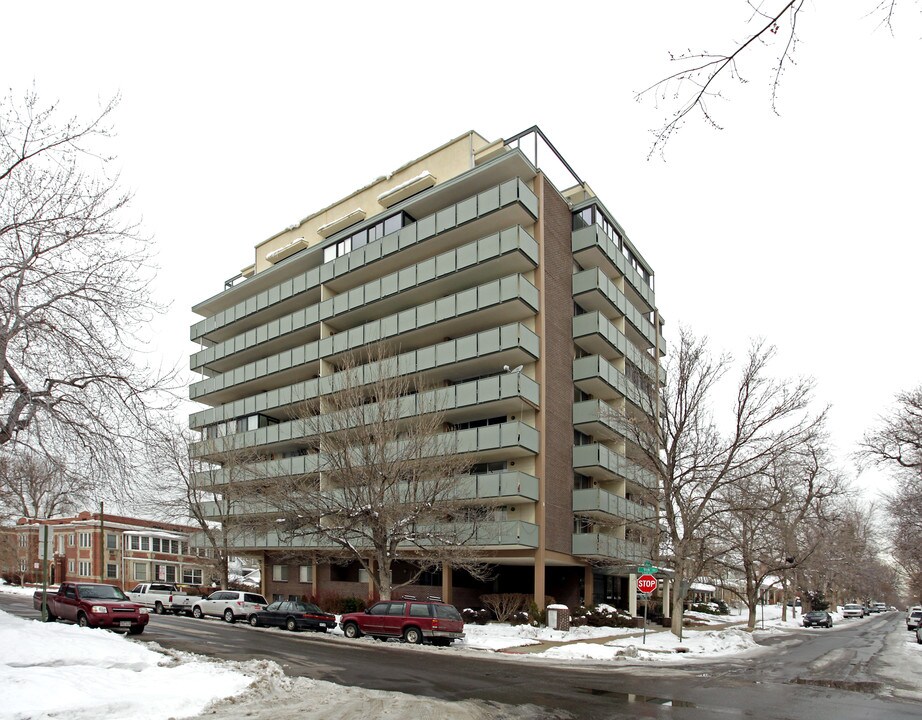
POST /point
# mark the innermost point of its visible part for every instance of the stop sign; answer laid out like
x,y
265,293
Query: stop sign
x,y
646,584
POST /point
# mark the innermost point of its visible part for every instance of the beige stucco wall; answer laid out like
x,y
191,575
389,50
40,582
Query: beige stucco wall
x,y
444,163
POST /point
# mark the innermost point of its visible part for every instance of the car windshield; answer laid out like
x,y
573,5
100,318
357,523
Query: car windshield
x,y
816,613
308,607
100,592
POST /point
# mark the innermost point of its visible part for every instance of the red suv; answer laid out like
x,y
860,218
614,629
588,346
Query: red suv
x,y
410,619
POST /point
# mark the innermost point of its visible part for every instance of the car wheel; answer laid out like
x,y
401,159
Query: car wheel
x,y
197,612
83,620
351,630
229,615
158,608
413,635
253,620
135,629
291,625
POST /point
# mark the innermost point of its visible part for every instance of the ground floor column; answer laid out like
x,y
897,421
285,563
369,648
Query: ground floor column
x,y
632,594
667,586
539,580
588,586
447,586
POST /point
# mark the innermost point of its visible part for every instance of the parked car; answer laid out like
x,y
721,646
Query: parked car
x,y
293,615
94,605
914,619
409,619
229,604
817,618
880,607
159,597
919,633
853,610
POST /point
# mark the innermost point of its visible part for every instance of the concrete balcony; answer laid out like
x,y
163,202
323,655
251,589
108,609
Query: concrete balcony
x,y
605,547
506,535
608,507
498,302
600,462
509,252
506,488
485,397
493,442
598,377
593,248
501,206
593,290
596,334
600,420
475,354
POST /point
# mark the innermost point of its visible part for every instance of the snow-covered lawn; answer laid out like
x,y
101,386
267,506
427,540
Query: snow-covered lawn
x,y
97,674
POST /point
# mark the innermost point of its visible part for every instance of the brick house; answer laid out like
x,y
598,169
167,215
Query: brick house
x,y
108,548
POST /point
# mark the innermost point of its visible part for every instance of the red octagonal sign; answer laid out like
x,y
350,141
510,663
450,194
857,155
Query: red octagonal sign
x,y
646,584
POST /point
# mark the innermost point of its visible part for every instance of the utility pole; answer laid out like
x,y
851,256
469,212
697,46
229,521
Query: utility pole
x,y
102,542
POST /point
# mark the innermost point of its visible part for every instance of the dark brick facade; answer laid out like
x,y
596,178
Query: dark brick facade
x,y
557,355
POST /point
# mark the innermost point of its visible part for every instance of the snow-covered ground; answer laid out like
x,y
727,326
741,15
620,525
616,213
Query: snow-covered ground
x,y
98,674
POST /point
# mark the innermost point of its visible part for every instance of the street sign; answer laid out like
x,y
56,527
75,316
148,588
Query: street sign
x,y
647,569
646,584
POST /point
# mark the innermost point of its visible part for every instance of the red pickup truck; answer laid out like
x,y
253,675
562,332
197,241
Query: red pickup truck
x,y
94,605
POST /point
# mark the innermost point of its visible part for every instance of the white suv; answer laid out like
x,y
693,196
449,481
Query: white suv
x,y
229,604
853,610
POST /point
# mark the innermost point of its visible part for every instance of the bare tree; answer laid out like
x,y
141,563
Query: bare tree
x,y
703,76
391,484
778,519
896,444
202,481
37,487
698,460
74,291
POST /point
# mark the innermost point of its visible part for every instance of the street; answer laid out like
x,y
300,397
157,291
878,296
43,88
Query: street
x,y
852,671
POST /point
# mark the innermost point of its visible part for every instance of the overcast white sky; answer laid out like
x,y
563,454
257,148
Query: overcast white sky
x,y
238,119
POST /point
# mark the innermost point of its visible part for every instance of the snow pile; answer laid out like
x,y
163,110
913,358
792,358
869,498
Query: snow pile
x,y
94,673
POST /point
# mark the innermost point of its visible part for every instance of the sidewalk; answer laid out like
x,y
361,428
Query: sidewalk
x,y
543,645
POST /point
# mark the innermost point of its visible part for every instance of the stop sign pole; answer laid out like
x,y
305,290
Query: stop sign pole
x,y
646,585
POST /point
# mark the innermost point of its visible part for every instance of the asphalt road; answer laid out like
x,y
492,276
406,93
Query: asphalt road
x,y
850,672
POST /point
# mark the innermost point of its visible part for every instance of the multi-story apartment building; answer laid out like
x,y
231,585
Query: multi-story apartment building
x,y
99,547
474,262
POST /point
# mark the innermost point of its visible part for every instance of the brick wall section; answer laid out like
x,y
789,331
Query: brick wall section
x,y
557,354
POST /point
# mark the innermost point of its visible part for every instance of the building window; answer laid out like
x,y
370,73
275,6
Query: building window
x,y
86,540
22,566
70,540
366,235
363,575
112,571
165,573
85,569
277,597
488,467
145,543
111,542
306,573
70,566
60,544
135,542
23,540
155,544
140,571
280,573
192,576
174,547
